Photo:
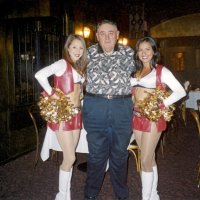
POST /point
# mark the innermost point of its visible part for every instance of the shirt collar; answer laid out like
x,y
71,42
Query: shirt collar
x,y
100,50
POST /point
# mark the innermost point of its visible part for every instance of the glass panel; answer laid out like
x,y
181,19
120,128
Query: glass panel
x,y
33,49
24,65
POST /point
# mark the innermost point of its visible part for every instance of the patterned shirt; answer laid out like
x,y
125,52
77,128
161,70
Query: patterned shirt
x,y
110,74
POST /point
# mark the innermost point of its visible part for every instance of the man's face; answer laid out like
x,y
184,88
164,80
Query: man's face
x,y
107,36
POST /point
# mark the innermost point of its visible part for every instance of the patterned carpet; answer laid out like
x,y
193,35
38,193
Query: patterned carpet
x,y
177,172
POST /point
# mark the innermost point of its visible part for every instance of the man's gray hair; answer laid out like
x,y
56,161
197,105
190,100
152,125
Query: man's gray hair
x,y
106,21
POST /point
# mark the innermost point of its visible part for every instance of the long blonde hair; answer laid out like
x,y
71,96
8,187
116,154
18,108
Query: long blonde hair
x,y
81,64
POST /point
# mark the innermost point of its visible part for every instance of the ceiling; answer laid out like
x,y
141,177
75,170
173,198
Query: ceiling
x,y
155,11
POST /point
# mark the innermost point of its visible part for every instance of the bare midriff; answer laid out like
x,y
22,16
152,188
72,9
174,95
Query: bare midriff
x,y
140,93
74,96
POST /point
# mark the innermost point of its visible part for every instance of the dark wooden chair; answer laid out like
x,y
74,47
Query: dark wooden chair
x,y
39,124
34,114
195,115
134,149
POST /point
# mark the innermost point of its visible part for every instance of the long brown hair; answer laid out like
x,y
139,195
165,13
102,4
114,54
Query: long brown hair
x,y
156,56
81,64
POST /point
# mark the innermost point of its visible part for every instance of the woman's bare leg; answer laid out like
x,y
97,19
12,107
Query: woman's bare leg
x,y
68,141
149,141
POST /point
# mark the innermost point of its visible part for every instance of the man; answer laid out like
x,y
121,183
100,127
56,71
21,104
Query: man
x,y
107,111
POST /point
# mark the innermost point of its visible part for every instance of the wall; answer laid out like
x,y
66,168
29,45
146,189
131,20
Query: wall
x,y
3,95
178,27
181,35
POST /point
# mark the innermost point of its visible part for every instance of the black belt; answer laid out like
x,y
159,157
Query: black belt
x,y
108,96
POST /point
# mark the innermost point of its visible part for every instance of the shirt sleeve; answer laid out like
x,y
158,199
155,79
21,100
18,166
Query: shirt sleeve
x,y
177,89
57,68
130,53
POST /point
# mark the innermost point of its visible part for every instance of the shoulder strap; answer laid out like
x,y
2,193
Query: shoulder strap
x,y
65,82
158,77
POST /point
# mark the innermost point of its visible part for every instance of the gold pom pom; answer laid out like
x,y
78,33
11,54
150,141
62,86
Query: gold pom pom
x,y
56,110
150,106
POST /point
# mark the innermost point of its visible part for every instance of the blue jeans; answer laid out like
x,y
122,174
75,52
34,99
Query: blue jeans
x,y
108,126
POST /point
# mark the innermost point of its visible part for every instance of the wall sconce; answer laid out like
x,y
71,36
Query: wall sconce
x,y
179,55
83,31
123,41
86,32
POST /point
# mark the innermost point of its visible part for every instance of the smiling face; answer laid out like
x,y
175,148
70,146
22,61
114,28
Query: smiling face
x,y
107,36
75,50
145,52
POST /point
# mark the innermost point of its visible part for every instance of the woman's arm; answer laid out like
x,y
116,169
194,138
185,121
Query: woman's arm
x,y
177,89
57,68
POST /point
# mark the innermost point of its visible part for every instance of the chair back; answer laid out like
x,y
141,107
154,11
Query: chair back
x,y
198,105
196,118
187,86
196,115
34,114
39,123
135,150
